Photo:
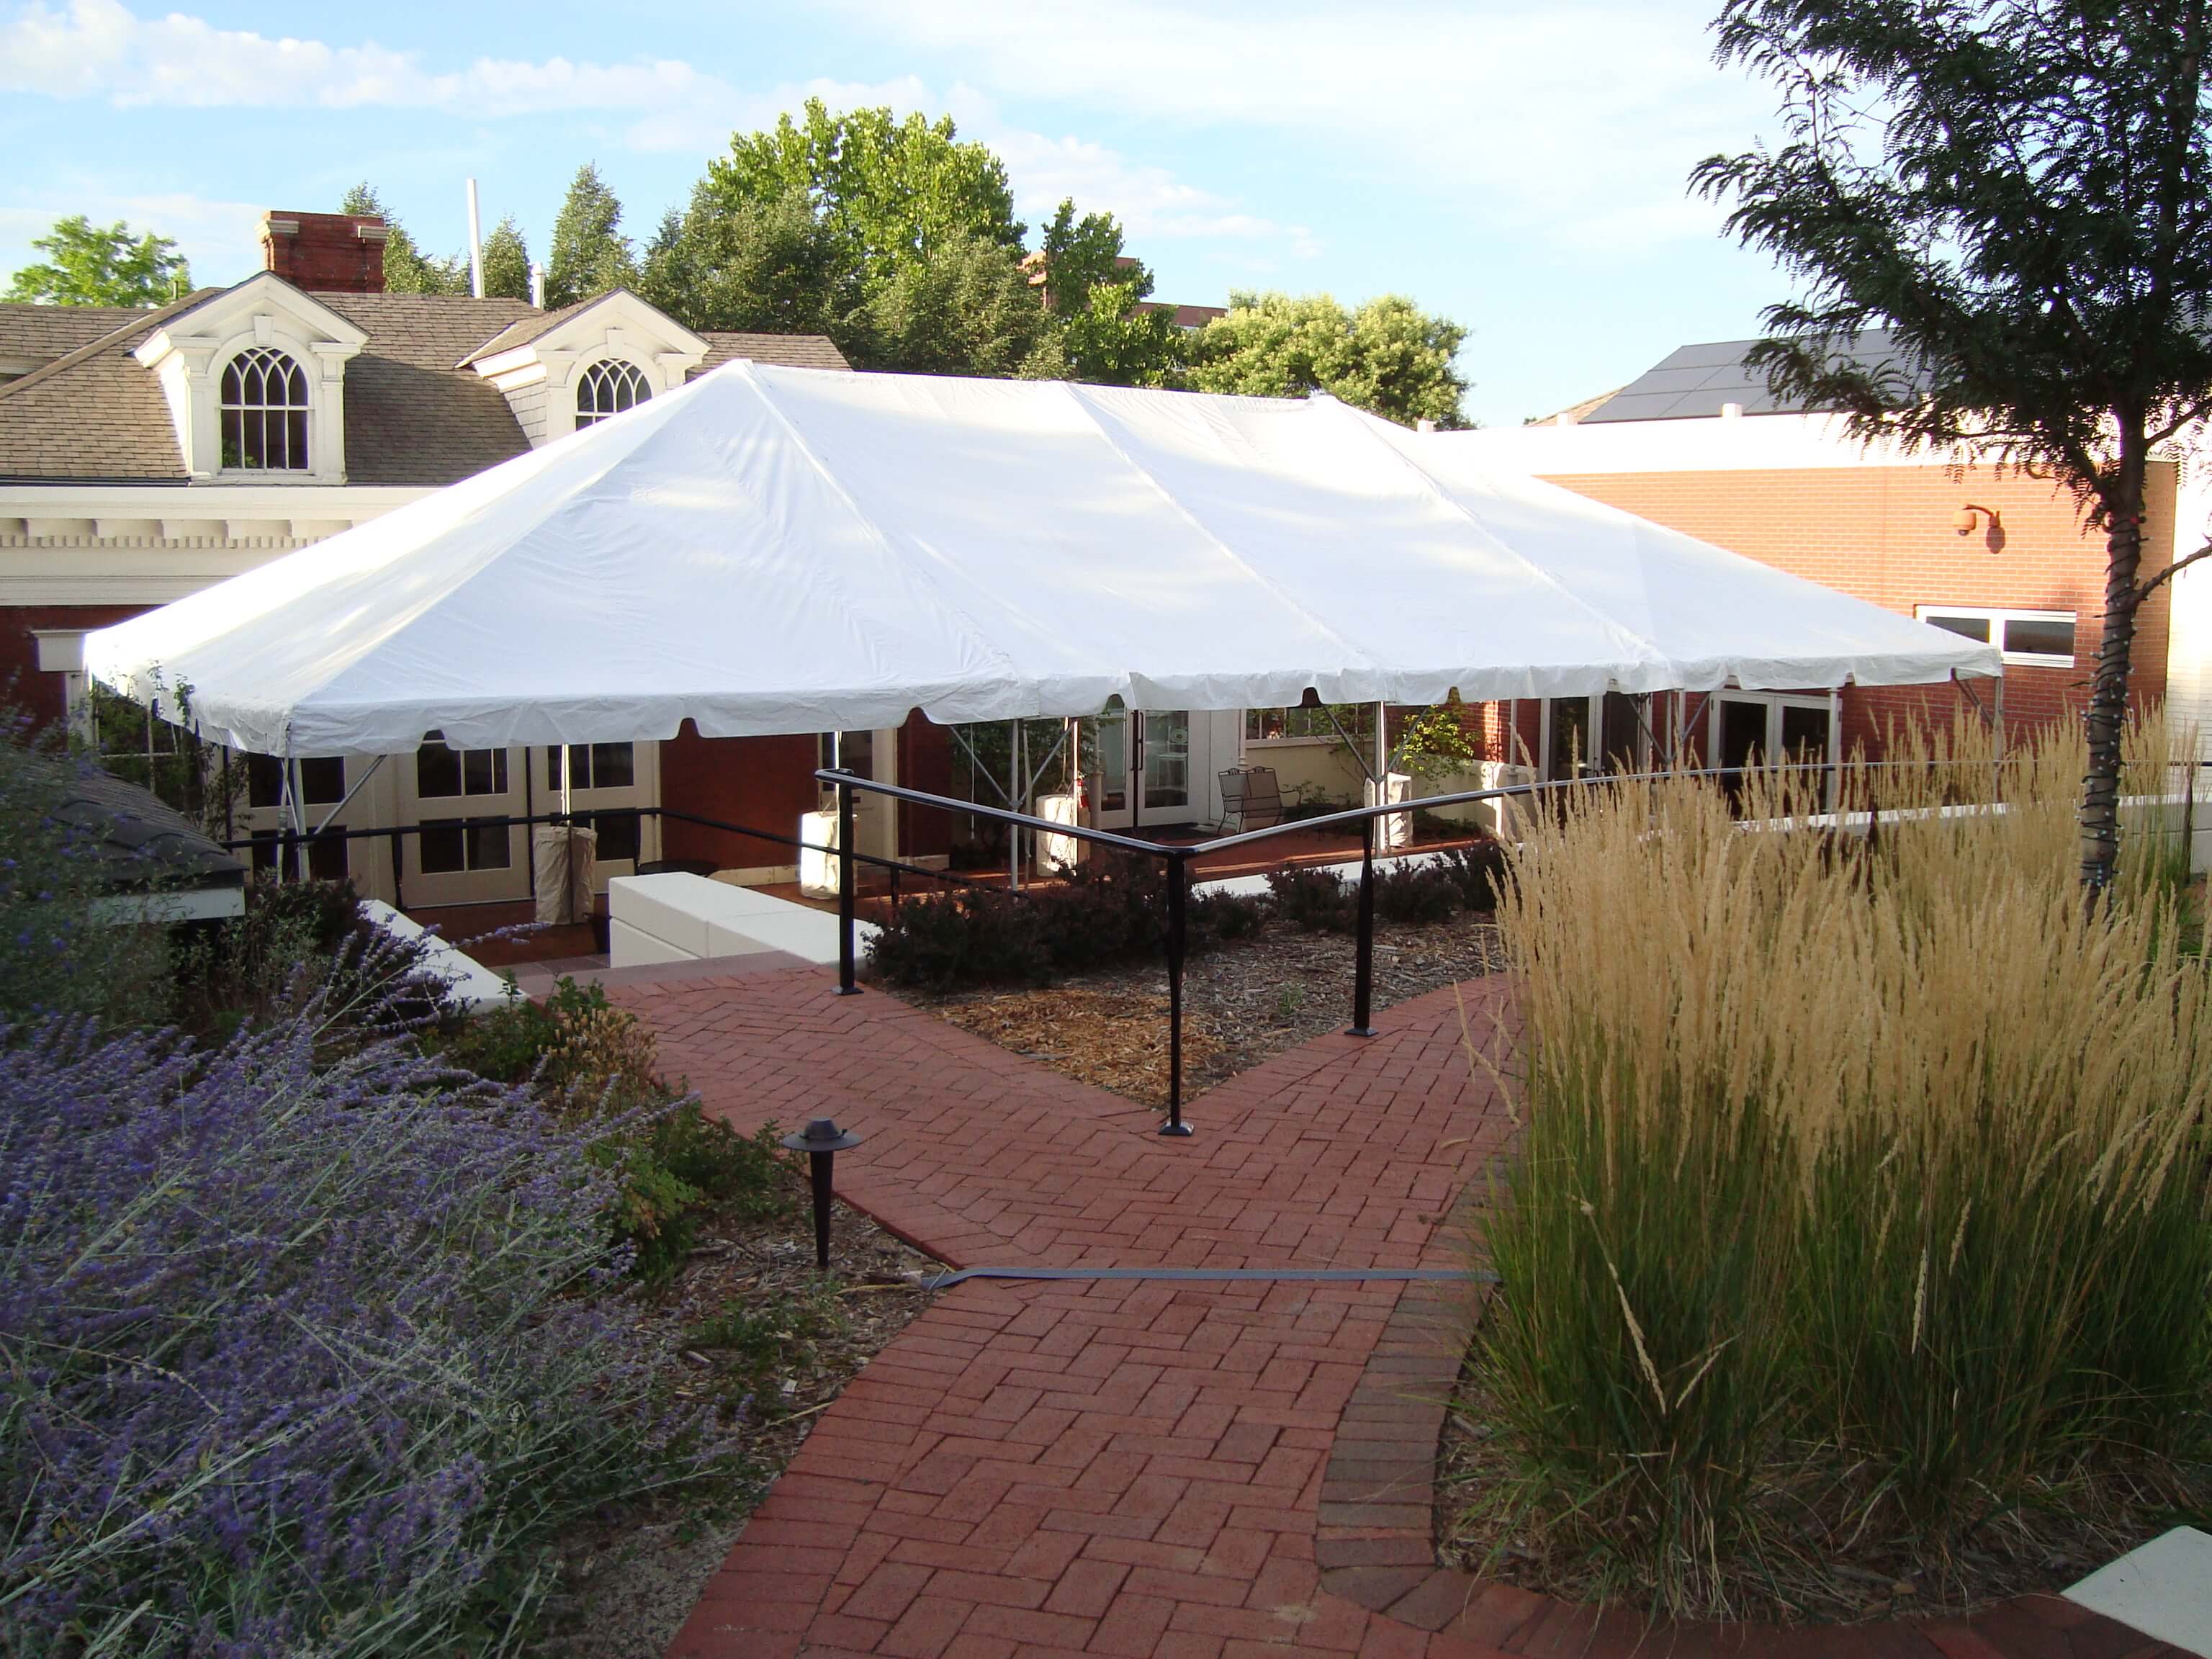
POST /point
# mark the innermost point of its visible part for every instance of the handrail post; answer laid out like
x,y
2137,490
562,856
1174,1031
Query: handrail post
x,y
1178,882
845,905
399,862
1363,972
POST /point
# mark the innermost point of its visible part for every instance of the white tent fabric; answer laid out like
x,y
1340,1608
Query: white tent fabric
x,y
783,550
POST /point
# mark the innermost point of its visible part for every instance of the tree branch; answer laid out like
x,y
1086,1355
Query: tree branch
x,y
2144,590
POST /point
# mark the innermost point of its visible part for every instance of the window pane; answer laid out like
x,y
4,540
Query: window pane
x,y
619,836
475,772
233,438
264,779
613,766
1805,733
1972,628
322,782
2048,639
437,771
553,768
489,846
443,848
295,428
326,858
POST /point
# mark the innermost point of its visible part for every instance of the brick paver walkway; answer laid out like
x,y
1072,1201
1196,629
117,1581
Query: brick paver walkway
x,y
1143,1467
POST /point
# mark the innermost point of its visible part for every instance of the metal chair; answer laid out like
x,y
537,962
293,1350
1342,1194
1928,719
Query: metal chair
x,y
1250,799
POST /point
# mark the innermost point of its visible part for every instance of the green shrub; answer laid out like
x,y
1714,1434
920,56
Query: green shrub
x,y
595,1063
1481,871
970,936
1318,900
1224,916
1415,890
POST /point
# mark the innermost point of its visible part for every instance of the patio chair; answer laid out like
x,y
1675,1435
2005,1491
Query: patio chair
x,y
1249,799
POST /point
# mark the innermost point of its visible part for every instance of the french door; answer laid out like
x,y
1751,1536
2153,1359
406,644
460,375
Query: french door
x,y
1150,767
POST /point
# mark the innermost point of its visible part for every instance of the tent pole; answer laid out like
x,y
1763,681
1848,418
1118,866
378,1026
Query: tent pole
x,y
1997,724
568,832
1835,747
1014,782
1675,733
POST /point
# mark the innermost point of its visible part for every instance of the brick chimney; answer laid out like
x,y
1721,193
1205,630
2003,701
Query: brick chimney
x,y
325,253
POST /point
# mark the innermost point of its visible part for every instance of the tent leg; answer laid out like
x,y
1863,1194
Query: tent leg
x,y
1363,972
845,899
1178,886
1014,783
1835,747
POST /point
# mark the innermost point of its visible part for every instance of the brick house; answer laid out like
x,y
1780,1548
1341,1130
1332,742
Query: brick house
x,y
1698,444
147,454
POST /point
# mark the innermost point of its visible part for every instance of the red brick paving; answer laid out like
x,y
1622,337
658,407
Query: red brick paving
x,y
1150,1468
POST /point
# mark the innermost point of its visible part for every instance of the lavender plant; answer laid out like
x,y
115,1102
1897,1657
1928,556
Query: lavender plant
x,y
308,1349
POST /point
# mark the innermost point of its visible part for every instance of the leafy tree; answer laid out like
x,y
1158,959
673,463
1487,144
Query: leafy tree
x,y
1389,357
407,270
506,262
772,268
590,255
2020,191
964,308
88,265
892,191
1093,295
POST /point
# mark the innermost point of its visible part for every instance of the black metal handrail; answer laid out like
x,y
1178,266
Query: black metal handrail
x,y
1178,858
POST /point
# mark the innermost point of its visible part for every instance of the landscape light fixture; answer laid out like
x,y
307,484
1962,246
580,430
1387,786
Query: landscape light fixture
x,y
821,1140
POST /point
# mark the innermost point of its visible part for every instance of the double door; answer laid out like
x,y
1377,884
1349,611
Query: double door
x,y
1150,766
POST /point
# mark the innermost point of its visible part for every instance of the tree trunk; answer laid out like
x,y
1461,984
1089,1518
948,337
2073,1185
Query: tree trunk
x,y
2108,698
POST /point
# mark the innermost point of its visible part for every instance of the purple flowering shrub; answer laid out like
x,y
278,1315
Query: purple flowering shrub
x,y
302,1348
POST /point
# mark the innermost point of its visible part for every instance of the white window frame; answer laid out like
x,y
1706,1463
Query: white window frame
x,y
1998,615
603,364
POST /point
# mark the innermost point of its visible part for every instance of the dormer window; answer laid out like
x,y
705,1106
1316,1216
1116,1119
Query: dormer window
x,y
264,404
608,388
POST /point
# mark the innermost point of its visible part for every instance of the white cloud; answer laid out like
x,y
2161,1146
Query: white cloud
x,y
1577,120
100,49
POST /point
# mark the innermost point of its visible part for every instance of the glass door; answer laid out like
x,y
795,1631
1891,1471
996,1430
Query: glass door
x,y
1106,779
1148,766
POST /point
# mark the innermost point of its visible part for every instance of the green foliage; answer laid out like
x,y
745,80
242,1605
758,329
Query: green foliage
x,y
91,265
757,1340
767,268
2021,193
1418,891
962,308
1389,357
590,255
890,191
595,1064
407,268
506,262
1433,743
55,957
1316,900
1107,341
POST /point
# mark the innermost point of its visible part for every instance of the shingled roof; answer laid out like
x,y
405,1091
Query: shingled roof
x,y
416,412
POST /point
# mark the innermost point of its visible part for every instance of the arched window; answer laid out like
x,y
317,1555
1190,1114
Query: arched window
x,y
264,412
608,388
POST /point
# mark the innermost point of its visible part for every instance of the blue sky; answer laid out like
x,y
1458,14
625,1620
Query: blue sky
x,y
1519,168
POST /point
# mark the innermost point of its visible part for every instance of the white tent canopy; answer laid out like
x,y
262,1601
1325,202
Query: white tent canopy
x,y
783,551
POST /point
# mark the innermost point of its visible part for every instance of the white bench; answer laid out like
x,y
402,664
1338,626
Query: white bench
x,y
683,918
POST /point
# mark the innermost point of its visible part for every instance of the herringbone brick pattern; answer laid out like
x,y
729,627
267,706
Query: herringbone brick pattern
x,y
1143,1467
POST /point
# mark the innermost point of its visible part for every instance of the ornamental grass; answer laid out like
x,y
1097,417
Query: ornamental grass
x,y
1864,1198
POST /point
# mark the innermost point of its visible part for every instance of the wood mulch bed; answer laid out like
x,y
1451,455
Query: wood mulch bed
x,y
1244,1000
629,1584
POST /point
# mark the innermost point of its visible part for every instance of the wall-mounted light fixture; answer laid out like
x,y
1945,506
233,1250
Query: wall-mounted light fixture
x,y
1968,519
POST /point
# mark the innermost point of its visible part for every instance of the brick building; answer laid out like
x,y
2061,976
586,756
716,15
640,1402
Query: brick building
x,y
1699,445
147,454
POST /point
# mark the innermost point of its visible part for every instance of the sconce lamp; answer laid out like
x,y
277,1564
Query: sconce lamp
x,y
1967,519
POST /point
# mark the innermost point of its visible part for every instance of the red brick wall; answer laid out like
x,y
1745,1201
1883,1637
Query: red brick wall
x,y
21,681
925,762
765,783
327,254
1884,534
